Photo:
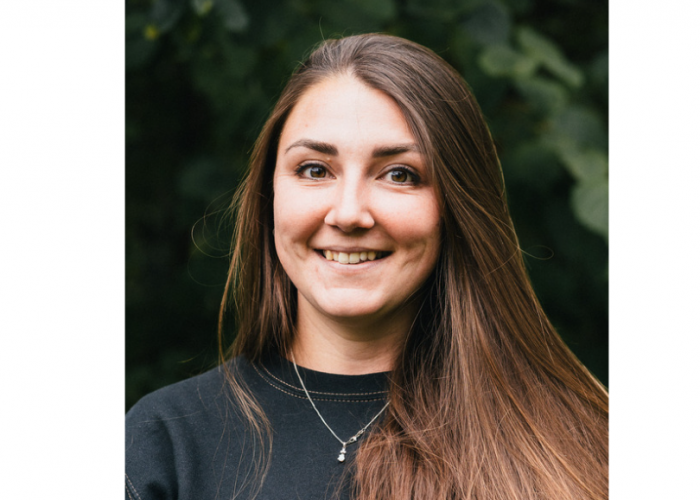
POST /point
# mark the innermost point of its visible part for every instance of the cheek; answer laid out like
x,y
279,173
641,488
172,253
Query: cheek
x,y
425,241
416,225
284,233
426,249
295,219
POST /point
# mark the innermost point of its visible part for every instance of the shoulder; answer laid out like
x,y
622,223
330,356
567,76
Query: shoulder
x,y
171,430
195,393
191,397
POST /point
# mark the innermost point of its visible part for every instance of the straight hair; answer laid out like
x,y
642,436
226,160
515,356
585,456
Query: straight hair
x,y
485,399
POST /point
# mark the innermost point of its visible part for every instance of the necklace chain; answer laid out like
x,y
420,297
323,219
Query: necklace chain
x,y
353,439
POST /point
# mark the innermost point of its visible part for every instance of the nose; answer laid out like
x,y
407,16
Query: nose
x,y
349,208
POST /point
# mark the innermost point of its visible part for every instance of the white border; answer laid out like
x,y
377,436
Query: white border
x,y
62,250
655,250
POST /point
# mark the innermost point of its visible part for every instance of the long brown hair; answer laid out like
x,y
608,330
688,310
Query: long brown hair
x,y
486,401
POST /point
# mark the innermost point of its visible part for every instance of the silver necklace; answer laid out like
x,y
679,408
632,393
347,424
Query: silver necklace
x,y
353,439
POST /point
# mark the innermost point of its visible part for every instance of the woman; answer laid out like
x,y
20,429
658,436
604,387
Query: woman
x,y
390,345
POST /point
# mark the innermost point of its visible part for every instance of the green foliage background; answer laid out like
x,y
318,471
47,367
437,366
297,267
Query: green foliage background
x,y
201,77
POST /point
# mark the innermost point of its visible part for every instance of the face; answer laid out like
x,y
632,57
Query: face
x,y
357,220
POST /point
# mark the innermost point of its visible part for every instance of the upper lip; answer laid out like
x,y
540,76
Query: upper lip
x,y
350,249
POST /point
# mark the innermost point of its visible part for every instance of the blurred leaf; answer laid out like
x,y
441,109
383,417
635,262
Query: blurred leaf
x,y
546,52
151,32
202,7
589,201
582,126
545,96
489,24
537,45
166,13
500,60
587,165
567,72
138,50
233,14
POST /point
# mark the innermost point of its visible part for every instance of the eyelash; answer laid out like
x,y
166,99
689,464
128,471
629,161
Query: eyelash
x,y
306,166
409,171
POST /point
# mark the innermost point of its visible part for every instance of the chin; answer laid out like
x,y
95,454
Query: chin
x,y
349,307
348,312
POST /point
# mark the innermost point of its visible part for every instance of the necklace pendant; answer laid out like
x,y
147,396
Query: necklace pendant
x,y
353,439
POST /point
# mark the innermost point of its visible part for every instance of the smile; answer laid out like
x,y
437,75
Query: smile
x,y
352,257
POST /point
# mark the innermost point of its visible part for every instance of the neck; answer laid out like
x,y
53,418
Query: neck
x,y
352,347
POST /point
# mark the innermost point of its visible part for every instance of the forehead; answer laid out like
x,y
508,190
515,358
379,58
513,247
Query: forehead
x,y
344,111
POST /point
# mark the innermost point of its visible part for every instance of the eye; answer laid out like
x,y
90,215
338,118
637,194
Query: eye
x,y
313,171
402,175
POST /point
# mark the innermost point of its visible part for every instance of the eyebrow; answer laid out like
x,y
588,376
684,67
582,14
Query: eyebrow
x,y
329,149
383,151
321,147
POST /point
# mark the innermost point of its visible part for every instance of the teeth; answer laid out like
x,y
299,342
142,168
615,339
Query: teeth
x,y
350,258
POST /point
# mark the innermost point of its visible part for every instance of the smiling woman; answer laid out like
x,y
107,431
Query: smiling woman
x,y
389,342
347,173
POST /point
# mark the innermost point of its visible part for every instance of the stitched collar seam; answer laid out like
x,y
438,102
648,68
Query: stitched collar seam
x,y
262,376
320,392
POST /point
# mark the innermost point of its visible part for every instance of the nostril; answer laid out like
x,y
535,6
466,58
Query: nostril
x,y
348,216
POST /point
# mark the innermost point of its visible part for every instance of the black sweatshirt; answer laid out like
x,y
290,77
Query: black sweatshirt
x,y
188,441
